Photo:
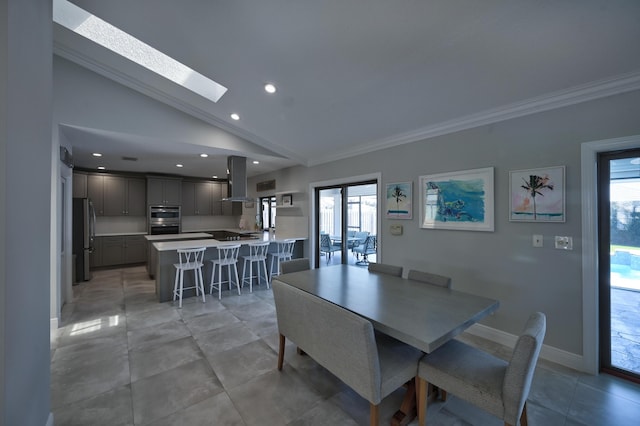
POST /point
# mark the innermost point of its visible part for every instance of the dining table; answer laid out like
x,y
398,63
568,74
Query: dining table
x,y
419,314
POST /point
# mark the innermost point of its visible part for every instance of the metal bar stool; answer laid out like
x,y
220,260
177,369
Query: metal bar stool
x,y
227,256
189,260
284,252
257,254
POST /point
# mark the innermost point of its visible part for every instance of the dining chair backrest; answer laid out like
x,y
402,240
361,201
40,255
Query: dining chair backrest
x,y
228,254
383,268
429,278
191,258
295,265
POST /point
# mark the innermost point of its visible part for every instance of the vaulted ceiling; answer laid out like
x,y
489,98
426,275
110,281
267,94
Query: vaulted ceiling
x,y
354,76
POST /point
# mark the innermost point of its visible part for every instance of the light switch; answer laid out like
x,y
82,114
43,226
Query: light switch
x,y
564,243
537,240
395,229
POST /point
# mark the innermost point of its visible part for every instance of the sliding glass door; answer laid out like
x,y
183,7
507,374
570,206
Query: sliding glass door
x,y
345,216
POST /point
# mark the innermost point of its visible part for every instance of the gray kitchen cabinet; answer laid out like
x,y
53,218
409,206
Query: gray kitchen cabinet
x,y
135,249
112,250
79,185
197,198
114,195
219,191
95,192
95,257
163,191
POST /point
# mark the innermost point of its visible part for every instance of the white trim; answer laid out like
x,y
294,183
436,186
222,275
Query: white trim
x,y
341,181
50,420
548,353
53,324
590,323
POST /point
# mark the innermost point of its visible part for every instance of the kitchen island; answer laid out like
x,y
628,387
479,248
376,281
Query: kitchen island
x,y
164,254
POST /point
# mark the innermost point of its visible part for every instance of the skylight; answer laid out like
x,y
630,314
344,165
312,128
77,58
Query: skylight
x,y
103,33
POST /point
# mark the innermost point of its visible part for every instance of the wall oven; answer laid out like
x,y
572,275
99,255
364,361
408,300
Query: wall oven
x,y
164,220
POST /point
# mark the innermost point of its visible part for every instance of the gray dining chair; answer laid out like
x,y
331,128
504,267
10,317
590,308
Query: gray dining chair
x,y
488,382
383,268
429,278
295,265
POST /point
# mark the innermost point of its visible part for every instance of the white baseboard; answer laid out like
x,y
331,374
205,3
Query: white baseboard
x,y
50,420
548,353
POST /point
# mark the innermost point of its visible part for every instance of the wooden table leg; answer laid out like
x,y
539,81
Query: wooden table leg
x,y
408,409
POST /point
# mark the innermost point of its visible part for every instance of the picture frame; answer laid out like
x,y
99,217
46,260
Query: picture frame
x,y
249,204
287,200
537,195
399,203
461,201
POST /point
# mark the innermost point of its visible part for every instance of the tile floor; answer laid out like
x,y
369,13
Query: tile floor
x,y
121,358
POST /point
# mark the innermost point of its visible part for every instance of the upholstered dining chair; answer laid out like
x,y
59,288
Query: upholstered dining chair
x,y
295,265
429,278
488,382
383,268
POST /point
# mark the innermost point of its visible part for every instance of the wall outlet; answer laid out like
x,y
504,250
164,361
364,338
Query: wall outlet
x,y
564,243
537,240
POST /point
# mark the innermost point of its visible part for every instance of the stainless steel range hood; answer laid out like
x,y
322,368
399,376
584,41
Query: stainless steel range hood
x,y
237,175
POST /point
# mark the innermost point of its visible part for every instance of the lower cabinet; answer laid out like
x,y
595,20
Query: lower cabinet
x,y
119,250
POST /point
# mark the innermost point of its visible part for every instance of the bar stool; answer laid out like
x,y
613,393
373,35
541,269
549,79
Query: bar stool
x,y
283,252
189,260
257,254
227,256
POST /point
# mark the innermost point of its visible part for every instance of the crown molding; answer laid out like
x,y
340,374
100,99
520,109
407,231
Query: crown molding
x,y
575,95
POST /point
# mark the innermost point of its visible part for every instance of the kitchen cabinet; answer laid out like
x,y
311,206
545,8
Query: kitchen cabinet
x,y
79,185
121,250
124,196
114,195
197,198
164,191
217,195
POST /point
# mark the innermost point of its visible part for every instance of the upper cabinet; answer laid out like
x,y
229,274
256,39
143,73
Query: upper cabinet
x,y
114,195
164,191
197,198
79,185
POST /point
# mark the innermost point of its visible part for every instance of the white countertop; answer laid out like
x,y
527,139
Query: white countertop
x,y
175,245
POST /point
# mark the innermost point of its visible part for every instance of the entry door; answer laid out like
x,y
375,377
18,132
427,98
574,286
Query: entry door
x,y
619,262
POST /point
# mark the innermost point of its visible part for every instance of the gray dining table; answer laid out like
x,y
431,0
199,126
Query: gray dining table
x,y
421,315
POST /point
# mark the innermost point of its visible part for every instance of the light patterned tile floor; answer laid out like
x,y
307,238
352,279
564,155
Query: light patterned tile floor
x,y
121,358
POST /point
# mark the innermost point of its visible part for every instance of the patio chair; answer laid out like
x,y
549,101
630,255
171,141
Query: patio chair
x,y
365,249
327,246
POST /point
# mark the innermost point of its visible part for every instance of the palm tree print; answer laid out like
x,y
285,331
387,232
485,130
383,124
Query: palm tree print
x,y
534,187
399,195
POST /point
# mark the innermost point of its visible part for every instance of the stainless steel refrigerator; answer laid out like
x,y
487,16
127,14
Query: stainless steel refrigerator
x,y
84,232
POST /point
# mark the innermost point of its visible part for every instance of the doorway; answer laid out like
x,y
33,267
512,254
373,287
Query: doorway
x,y
268,212
346,218
619,262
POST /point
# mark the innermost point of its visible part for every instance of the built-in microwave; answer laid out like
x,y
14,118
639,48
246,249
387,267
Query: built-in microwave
x,y
164,220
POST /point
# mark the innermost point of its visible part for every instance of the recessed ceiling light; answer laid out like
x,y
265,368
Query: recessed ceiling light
x,y
256,162
270,88
235,116
215,176
97,154
179,165
100,167
103,33
204,155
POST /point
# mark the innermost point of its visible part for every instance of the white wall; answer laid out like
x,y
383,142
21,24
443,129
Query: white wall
x,y
501,264
25,170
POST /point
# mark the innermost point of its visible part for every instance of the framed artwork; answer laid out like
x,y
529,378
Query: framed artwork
x,y
537,195
286,200
399,200
458,200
